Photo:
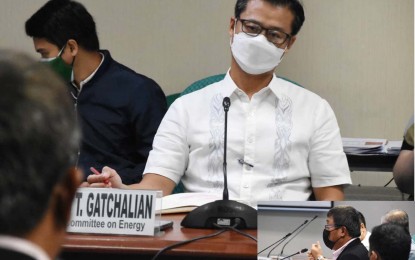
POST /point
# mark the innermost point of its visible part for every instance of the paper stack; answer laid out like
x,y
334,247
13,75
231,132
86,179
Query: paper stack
x,y
370,146
393,147
364,145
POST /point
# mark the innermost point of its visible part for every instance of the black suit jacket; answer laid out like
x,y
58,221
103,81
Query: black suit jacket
x,y
6,254
354,251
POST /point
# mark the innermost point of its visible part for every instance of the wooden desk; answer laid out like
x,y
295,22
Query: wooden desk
x,y
372,162
228,245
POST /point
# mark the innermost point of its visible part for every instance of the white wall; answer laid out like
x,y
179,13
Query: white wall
x,y
357,54
273,225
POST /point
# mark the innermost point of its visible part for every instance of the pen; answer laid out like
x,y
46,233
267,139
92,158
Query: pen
x,y
95,171
241,161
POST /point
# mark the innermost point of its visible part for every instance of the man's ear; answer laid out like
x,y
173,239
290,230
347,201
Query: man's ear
x,y
63,195
232,25
73,47
344,231
373,255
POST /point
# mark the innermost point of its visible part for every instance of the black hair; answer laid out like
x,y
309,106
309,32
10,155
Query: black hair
x,y
294,6
346,216
362,218
390,242
38,140
60,20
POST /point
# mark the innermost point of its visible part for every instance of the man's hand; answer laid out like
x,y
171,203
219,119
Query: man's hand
x,y
309,255
107,179
316,250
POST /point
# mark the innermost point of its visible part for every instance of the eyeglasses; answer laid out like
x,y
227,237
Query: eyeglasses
x,y
253,28
331,227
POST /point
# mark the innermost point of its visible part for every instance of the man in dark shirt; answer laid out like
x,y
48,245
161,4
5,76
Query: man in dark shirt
x,y
118,109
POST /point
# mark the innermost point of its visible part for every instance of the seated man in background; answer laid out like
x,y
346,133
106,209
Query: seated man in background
x,y
401,218
38,143
283,143
342,235
364,234
119,110
389,242
403,171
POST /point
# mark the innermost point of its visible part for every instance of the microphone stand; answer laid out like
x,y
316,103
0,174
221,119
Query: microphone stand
x,y
278,241
226,104
282,250
223,212
282,239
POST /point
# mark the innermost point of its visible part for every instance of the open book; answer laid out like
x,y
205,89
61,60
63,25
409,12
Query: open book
x,y
185,202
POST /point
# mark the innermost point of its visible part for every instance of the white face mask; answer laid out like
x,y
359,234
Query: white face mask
x,y
255,55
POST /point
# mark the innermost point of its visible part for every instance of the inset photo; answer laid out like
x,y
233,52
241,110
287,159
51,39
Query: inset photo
x,y
340,230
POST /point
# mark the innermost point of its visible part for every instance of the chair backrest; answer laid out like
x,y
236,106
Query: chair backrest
x,y
215,78
202,83
171,98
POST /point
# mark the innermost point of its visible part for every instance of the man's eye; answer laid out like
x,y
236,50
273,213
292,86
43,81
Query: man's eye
x,y
44,55
276,35
253,28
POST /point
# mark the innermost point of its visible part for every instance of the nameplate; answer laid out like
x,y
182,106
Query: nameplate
x,y
113,211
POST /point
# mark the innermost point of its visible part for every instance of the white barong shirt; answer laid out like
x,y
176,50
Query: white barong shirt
x,y
280,143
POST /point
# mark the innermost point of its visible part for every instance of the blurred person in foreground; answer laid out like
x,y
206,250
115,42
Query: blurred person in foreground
x,y
38,143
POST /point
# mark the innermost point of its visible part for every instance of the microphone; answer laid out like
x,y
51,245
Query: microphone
x,y
283,239
226,104
299,252
225,212
282,250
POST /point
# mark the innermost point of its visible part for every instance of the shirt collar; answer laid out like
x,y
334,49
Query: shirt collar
x,y
340,250
23,246
229,87
82,83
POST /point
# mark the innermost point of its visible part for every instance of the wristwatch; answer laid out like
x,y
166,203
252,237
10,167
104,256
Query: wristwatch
x,y
320,257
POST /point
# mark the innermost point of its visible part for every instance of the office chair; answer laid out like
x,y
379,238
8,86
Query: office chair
x,y
171,98
215,78
202,83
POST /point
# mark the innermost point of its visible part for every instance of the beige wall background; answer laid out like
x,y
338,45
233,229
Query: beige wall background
x,y
357,54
